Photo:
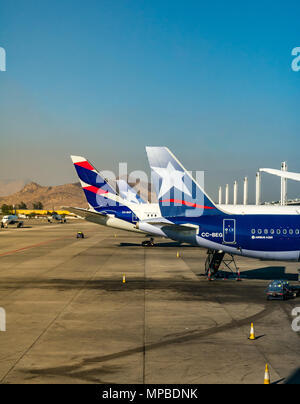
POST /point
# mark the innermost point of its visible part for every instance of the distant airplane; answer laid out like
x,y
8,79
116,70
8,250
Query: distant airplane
x,y
190,216
57,218
11,219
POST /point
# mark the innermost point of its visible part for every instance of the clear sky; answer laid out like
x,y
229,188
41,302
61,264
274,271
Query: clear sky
x,y
210,80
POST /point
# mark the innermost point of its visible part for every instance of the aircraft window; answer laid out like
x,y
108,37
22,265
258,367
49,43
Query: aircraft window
x,y
259,231
285,231
272,231
291,231
297,232
253,231
266,231
278,231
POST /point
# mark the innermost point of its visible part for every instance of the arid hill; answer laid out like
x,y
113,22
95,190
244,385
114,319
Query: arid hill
x,y
11,187
55,197
51,197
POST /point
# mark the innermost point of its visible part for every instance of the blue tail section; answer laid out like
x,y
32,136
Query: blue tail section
x,y
179,195
99,193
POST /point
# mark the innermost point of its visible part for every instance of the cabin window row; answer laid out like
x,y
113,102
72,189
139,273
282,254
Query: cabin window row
x,y
277,231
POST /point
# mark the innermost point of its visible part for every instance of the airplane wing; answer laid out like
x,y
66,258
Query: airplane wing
x,y
282,174
168,225
95,217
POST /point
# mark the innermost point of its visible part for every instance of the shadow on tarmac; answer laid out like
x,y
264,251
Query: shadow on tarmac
x,y
167,245
90,368
294,378
269,273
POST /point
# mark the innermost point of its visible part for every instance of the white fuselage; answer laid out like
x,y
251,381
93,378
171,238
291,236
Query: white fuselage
x,y
9,219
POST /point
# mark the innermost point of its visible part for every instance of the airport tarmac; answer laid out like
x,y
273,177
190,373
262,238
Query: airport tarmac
x,y
71,319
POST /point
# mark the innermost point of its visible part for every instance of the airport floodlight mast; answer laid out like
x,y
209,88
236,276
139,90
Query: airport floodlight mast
x,y
227,194
220,196
258,188
283,198
283,173
235,193
246,184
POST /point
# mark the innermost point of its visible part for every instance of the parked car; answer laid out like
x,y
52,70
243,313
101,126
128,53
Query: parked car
x,y
148,243
279,290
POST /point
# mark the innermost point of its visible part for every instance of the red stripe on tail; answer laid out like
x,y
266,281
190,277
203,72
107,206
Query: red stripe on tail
x,y
85,164
95,190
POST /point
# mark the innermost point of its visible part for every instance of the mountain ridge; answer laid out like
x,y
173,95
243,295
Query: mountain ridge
x,y
52,197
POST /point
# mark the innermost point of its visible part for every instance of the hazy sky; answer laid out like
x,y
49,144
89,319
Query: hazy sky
x,y
102,79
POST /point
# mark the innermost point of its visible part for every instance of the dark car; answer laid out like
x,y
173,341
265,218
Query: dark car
x,y
148,243
279,290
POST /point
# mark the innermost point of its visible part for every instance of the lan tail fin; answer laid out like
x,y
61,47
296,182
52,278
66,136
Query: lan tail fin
x,y
98,192
179,195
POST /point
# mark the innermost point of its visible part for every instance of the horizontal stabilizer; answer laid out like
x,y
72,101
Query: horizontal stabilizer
x,y
166,224
95,217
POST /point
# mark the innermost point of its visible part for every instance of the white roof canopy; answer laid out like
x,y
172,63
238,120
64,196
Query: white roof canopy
x,y
282,174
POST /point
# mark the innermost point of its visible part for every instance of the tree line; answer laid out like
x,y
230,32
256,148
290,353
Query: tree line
x,y
9,209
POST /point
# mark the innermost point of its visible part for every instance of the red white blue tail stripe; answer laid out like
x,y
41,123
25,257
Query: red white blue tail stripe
x,y
100,195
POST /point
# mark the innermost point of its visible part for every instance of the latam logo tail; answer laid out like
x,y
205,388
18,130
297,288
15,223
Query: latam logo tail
x,y
99,193
178,193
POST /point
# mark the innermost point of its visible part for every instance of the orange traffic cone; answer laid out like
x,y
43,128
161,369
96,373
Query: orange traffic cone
x,y
238,276
267,375
209,275
252,334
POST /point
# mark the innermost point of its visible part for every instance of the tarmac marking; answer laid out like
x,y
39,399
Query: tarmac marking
x,y
58,315
140,349
31,228
32,246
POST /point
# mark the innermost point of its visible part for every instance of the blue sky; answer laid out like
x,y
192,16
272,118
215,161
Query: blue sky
x,y
100,78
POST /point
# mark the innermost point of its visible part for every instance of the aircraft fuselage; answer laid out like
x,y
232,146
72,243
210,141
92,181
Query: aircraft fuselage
x,y
274,237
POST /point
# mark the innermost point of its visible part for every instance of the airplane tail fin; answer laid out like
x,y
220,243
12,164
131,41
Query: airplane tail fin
x,y
98,192
128,193
179,195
